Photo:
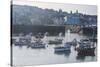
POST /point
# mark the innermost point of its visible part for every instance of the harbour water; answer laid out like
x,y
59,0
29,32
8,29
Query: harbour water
x,y
28,56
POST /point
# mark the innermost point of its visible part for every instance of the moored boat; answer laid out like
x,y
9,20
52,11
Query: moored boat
x,y
37,44
72,43
64,48
23,41
93,39
56,41
85,48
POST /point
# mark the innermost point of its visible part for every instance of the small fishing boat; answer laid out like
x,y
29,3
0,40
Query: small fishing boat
x,y
13,40
72,43
56,41
20,43
37,44
85,47
64,48
93,39
23,41
39,35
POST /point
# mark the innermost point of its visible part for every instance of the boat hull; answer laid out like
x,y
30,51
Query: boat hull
x,y
37,45
55,42
20,44
86,51
62,49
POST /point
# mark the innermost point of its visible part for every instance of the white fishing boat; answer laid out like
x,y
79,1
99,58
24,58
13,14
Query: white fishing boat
x,y
23,40
37,44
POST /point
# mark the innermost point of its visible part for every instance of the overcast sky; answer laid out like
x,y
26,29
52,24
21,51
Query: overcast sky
x,y
85,9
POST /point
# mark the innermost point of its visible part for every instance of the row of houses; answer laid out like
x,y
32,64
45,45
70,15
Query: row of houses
x,y
76,18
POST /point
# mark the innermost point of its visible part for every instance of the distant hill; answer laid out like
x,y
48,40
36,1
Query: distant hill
x,y
31,15
26,15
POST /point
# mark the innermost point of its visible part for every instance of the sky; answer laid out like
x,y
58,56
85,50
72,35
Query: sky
x,y
85,9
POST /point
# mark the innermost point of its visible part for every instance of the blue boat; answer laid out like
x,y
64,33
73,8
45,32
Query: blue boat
x,y
66,47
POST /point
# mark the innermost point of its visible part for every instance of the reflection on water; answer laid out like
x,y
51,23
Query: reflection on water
x,y
24,55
